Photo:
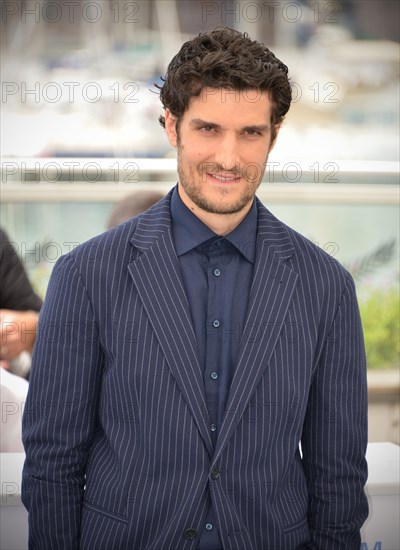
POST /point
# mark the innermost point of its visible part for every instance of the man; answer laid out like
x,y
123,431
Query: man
x,y
19,309
19,312
132,205
184,355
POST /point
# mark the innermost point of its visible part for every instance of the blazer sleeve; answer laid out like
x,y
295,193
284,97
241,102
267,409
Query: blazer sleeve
x,y
335,434
59,418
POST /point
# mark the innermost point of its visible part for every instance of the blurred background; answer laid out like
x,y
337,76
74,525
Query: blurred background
x,y
80,131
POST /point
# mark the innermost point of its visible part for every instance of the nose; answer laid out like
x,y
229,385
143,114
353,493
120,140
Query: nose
x,y
227,152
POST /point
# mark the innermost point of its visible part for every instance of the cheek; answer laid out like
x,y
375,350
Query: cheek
x,y
256,152
196,153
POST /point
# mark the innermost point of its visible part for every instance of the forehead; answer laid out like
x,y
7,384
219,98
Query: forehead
x,y
225,106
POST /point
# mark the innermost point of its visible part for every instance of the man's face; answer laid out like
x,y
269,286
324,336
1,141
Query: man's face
x,y
223,142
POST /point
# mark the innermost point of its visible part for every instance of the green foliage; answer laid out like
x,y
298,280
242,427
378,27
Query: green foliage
x,y
380,312
361,267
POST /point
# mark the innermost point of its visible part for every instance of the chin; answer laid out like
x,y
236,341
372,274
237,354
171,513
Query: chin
x,y
221,207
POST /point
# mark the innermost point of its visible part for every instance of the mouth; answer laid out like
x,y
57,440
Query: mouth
x,y
224,178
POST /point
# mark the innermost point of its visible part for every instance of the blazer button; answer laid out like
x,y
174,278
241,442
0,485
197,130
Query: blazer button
x,y
215,473
190,534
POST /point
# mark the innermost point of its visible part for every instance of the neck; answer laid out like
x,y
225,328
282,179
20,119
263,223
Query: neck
x,y
221,224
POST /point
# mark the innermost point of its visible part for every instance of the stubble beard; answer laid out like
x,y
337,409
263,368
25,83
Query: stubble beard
x,y
196,194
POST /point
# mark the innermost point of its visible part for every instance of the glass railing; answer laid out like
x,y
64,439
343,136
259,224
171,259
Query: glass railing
x,y
350,209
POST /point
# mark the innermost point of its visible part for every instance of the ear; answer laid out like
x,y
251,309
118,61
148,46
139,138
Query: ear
x,y
170,127
272,145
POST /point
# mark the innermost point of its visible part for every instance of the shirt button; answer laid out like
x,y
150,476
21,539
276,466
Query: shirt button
x,y
213,427
190,534
217,272
215,473
216,323
209,526
214,375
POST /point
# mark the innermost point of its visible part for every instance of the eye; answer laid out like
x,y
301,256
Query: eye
x,y
253,133
207,129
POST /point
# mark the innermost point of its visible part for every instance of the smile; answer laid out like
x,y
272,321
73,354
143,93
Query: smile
x,y
229,178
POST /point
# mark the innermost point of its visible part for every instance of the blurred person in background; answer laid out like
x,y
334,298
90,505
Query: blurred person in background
x,y
13,390
19,311
183,356
131,206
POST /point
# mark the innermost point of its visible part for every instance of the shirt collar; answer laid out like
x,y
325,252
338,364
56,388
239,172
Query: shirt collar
x,y
189,231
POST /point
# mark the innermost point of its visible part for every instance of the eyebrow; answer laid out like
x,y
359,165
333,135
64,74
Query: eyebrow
x,y
253,127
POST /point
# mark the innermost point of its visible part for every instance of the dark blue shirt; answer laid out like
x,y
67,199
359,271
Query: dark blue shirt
x,y
217,273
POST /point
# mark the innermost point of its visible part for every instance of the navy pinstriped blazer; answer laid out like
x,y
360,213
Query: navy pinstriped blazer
x,y
118,450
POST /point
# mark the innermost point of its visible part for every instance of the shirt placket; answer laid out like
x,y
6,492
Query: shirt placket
x,y
214,329
213,356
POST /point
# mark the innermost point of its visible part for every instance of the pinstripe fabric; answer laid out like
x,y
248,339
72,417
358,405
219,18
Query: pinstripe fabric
x,y
118,452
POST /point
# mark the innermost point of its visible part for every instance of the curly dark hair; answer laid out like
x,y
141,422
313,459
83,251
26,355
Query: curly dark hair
x,y
225,58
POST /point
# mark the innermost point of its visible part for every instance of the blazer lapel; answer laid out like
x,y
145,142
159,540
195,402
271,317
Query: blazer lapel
x,y
270,296
156,274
